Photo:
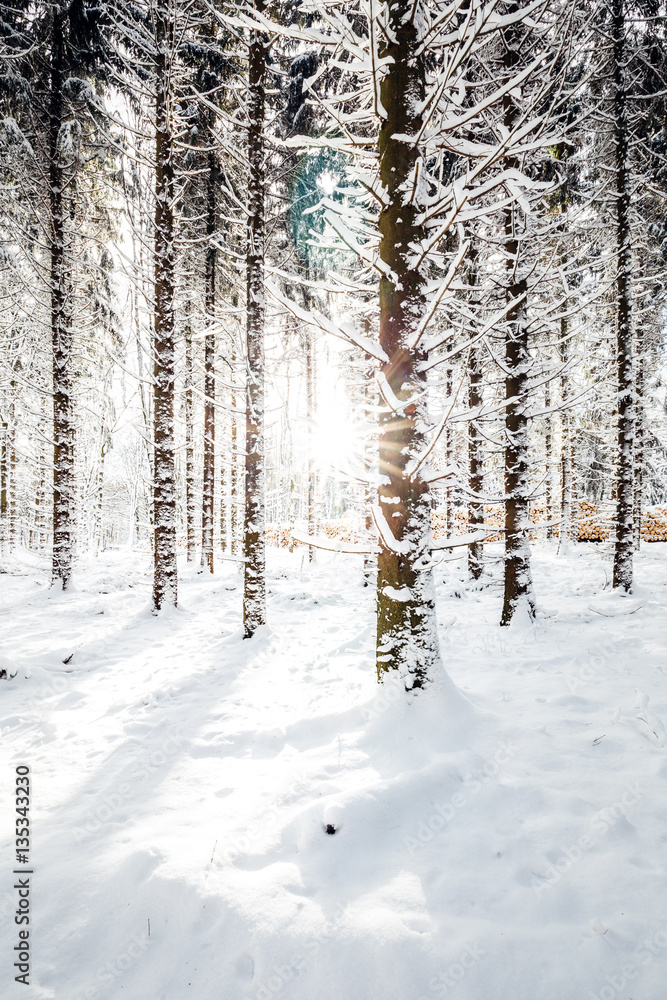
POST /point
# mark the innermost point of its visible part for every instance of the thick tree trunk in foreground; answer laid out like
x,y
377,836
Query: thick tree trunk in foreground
x,y
254,582
623,551
518,580
208,493
406,624
165,577
518,586
61,329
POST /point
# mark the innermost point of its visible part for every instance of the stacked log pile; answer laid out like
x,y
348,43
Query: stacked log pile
x,y
594,524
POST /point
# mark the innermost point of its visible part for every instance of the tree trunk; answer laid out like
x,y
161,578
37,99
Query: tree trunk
x,y
370,462
310,417
4,525
190,501
254,582
565,528
623,550
208,492
518,586
13,498
165,578
548,449
99,529
61,328
235,471
449,457
475,464
640,442
406,622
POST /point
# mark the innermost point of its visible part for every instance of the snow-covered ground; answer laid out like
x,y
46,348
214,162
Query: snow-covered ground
x,y
499,837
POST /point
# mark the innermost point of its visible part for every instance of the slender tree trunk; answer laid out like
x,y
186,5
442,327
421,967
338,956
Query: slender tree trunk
x,y
449,440
623,550
406,622
370,463
640,441
100,494
475,464
310,418
13,499
548,450
254,583
165,578
518,587
43,485
475,439
208,493
224,483
4,526
565,528
61,329
235,472
190,500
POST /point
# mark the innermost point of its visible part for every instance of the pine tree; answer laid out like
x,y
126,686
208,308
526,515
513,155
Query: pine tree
x,y
254,583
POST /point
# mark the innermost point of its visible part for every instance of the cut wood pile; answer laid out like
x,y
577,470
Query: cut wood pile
x,y
593,524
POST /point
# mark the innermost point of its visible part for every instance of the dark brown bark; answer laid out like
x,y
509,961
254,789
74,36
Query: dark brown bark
x,y
254,582
449,455
518,590
475,439
475,464
406,626
640,442
165,576
623,550
208,492
548,449
61,328
190,500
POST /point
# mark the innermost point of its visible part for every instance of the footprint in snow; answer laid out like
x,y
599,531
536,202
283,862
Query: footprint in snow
x,y
652,727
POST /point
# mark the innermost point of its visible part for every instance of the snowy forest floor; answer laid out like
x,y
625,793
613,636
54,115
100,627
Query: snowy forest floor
x,y
499,838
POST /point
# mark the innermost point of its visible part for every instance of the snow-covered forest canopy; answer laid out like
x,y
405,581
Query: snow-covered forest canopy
x,y
321,322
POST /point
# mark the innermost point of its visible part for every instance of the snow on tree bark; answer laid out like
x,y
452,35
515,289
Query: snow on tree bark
x,y
61,328
565,529
406,621
165,576
518,586
310,419
190,502
475,440
208,492
254,582
640,439
623,549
